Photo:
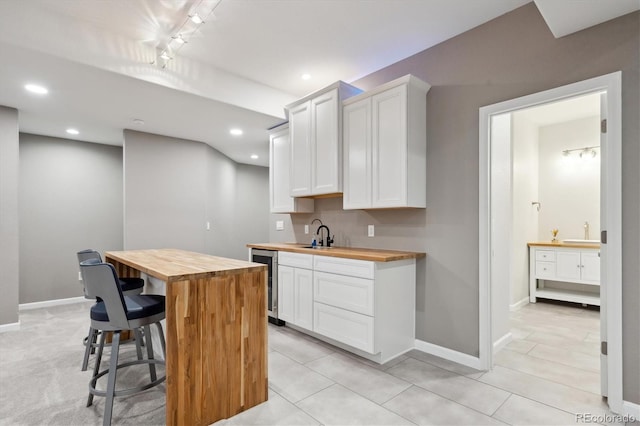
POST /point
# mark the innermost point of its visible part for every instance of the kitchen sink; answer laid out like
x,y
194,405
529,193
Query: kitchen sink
x,y
317,247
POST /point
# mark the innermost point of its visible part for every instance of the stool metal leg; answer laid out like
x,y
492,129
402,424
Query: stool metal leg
x,y
152,366
91,341
111,382
162,342
96,367
138,338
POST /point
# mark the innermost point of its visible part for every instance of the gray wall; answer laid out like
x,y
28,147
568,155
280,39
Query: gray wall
x,y
70,199
513,55
9,227
174,186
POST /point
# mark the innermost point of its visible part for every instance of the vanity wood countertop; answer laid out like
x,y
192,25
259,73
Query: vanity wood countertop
x,y
565,245
374,255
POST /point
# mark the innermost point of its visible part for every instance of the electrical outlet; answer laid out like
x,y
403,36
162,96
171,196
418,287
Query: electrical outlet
x,y
208,226
279,225
370,231
306,229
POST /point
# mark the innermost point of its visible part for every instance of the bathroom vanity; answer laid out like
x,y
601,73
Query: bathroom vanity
x,y
577,263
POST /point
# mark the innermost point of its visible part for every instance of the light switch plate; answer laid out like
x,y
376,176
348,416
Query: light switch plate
x,y
370,231
306,229
79,276
279,225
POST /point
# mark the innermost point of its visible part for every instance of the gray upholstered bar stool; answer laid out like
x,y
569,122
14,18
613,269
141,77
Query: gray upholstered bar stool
x,y
130,286
116,312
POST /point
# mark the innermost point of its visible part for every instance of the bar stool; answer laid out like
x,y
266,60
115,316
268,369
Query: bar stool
x,y
130,286
116,312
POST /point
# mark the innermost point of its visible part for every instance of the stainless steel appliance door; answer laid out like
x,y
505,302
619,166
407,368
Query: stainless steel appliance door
x,y
269,258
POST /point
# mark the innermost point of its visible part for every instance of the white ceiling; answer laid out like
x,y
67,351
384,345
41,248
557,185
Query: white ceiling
x,y
238,69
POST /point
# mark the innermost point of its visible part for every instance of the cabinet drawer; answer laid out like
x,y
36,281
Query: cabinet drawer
x,y
545,270
546,255
296,260
341,266
344,326
352,293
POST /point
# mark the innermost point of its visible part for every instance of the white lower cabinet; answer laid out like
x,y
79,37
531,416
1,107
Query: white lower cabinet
x,y
295,289
364,307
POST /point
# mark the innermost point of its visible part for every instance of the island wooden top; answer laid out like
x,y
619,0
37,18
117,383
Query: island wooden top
x,y
565,245
177,265
374,255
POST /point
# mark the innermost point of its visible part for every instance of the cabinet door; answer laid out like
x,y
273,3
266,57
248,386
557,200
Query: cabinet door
x,y
591,267
303,308
389,144
568,266
279,152
344,326
357,155
326,155
300,133
286,299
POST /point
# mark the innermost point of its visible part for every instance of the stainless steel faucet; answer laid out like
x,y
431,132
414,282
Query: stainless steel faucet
x,y
586,230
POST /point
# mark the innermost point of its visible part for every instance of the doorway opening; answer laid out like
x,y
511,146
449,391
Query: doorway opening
x,y
551,161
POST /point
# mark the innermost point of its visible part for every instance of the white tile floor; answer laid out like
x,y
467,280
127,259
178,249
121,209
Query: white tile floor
x,y
546,375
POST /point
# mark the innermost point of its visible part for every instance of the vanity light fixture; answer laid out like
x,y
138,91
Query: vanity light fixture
x,y
180,37
586,152
37,89
236,132
73,131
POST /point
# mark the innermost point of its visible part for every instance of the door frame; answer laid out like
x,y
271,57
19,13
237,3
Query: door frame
x,y
611,83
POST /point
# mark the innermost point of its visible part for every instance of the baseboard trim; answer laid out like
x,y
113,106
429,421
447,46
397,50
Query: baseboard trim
x,y
499,344
13,326
49,303
519,304
449,354
629,410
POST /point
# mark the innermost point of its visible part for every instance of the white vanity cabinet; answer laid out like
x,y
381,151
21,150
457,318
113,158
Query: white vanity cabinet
x,y
279,165
385,146
295,289
316,141
567,264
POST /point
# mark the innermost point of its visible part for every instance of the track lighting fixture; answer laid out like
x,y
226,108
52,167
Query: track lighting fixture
x,y
183,33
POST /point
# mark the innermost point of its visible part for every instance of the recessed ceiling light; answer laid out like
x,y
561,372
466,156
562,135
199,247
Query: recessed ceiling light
x,y
306,76
254,156
236,132
73,131
138,122
34,88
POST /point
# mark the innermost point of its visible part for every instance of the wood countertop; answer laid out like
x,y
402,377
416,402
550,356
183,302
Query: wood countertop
x,y
564,245
176,265
374,255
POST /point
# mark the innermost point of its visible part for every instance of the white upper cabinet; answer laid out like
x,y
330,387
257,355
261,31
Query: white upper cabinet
x,y
279,177
316,141
385,135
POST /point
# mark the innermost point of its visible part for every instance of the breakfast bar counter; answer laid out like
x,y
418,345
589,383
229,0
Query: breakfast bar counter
x,y
216,331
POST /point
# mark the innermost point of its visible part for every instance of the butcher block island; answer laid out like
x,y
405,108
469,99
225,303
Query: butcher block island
x,y
216,331
361,300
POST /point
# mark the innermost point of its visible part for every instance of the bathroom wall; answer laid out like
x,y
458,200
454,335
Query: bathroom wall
x,y
569,185
525,191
